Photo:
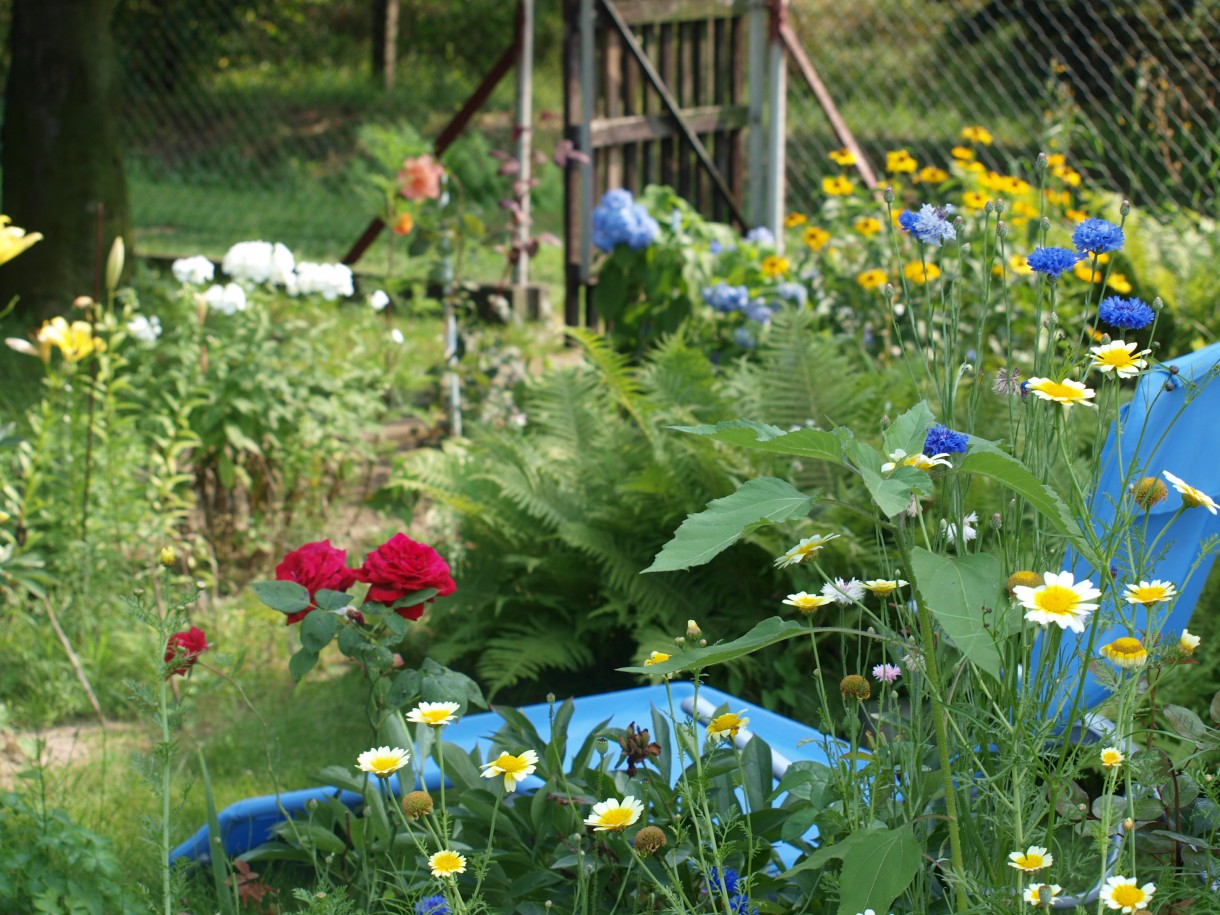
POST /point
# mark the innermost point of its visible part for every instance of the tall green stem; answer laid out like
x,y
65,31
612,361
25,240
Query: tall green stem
x,y
166,894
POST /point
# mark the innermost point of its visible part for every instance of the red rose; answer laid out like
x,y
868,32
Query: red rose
x,y
399,567
183,649
316,567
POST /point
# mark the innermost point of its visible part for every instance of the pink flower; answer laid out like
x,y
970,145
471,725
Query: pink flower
x,y
887,673
420,178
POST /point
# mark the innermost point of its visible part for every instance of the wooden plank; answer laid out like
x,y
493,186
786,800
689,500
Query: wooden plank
x,y
631,105
612,93
638,128
641,12
737,76
648,147
685,95
668,76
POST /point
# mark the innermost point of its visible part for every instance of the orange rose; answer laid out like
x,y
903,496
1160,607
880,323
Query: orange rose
x,y
420,178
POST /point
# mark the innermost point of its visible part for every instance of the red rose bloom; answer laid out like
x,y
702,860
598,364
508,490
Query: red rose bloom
x,y
399,567
183,649
316,567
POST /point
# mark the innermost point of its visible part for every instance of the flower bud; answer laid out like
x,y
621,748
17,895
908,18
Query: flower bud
x,y
82,301
1124,208
692,630
888,194
114,264
1128,824
602,745
167,557
649,840
416,804
1041,163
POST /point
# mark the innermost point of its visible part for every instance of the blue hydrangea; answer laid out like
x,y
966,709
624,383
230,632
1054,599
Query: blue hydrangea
x,y
1097,236
744,338
758,310
943,440
432,905
619,220
715,246
731,879
930,225
726,298
761,235
793,292
1052,262
1129,313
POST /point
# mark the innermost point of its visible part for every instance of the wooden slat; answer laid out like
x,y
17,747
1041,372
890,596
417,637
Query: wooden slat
x,y
640,12
639,128
668,67
684,92
612,93
737,75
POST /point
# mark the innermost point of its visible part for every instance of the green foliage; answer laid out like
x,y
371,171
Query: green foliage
x,y
53,866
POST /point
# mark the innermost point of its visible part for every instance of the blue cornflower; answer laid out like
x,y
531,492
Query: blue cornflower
x,y
1052,262
740,905
731,879
759,311
761,235
930,225
1097,236
793,292
726,298
744,338
432,905
943,440
1129,313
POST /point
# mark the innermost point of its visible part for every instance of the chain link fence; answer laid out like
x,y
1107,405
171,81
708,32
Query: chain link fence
x,y
1127,89
262,118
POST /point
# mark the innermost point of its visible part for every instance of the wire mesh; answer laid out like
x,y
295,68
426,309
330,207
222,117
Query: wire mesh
x,y
1127,89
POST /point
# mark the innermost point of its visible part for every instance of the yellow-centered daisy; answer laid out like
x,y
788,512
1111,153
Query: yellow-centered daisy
x,y
383,761
1123,895
447,864
804,550
614,816
806,602
1032,860
726,725
513,768
1126,652
1120,358
1191,497
434,714
1060,600
1188,642
919,461
882,587
1150,592
1067,392
1112,758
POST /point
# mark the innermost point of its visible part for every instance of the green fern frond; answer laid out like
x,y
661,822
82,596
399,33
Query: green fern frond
x,y
617,374
522,653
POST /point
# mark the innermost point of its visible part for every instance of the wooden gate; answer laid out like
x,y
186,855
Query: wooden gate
x,y
655,92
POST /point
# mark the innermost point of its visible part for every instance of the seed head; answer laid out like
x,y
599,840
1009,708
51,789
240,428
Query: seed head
x,y
1149,491
416,804
855,686
649,840
1026,578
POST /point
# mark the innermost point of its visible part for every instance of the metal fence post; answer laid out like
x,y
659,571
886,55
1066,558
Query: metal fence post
x,y
525,147
777,121
755,138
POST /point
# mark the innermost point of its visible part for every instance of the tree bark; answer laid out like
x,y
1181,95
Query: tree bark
x,y
62,156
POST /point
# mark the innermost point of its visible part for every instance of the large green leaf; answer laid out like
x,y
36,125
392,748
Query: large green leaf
x,y
811,443
956,590
284,596
1008,471
702,536
891,492
878,865
910,430
768,632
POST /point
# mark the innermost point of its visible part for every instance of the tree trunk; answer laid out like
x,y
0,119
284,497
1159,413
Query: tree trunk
x,y
62,159
385,42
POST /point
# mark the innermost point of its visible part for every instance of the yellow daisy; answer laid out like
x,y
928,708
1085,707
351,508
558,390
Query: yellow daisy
x,y
899,161
1120,358
871,279
807,548
775,266
614,816
1034,859
1066,392
975,200
726,725
513,768
1125,652
434,714
844,157
382,761
1150,592
919,273
977,134
806,602
962,153
919,461
1076,215
838,186
1112,757
447,864
932,175
1188,642
1122,895
882,587
1191,497
815,238
1119,283
1058,198
795,219
1060,600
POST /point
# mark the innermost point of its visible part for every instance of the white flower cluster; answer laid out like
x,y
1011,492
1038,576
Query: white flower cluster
x,y
146,329
228,299
195,270
327,280
260,262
